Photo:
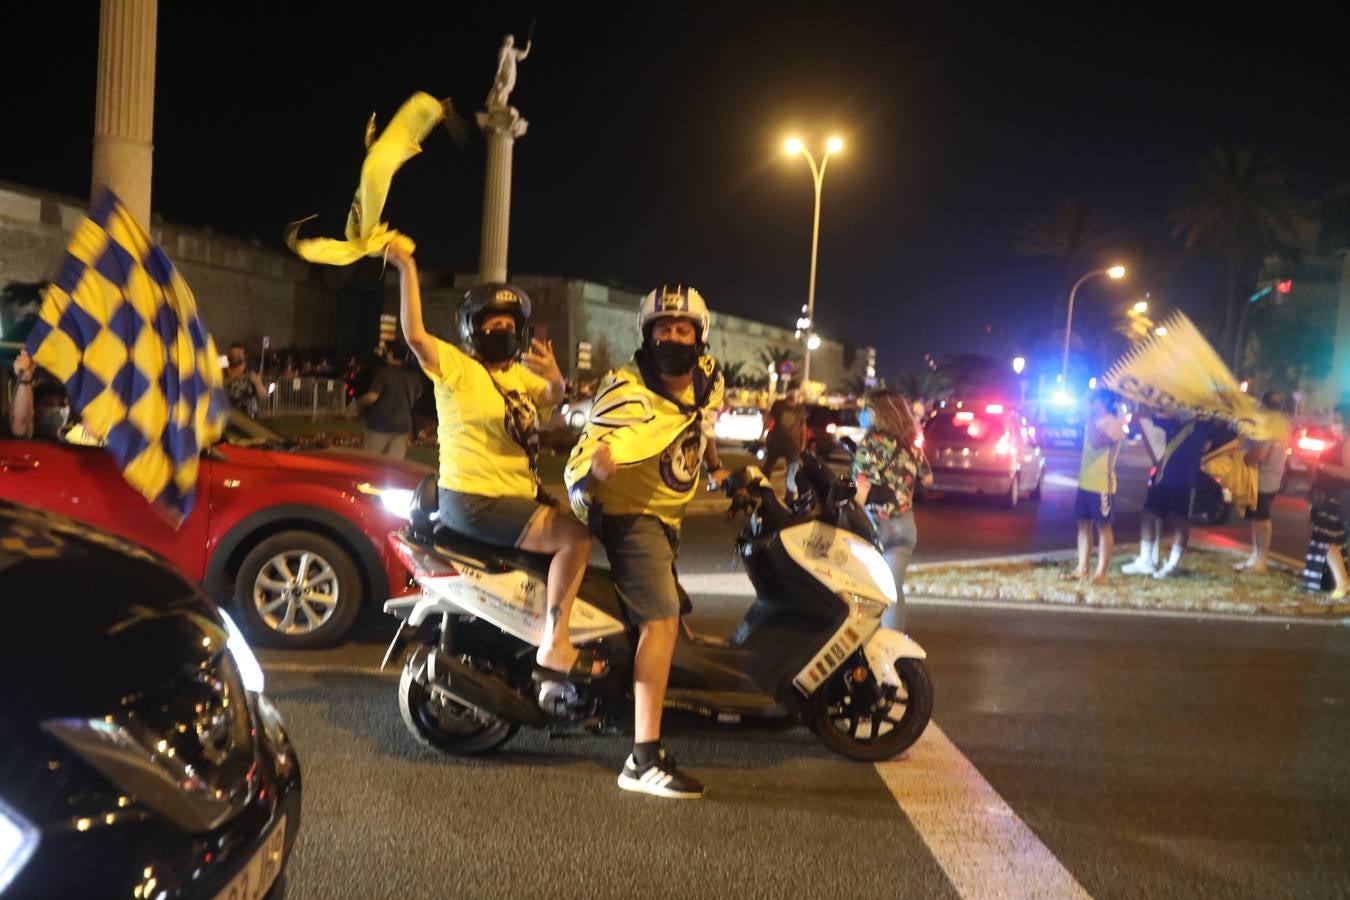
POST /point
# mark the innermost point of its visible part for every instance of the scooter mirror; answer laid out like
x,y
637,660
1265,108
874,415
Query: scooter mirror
x,y
849,444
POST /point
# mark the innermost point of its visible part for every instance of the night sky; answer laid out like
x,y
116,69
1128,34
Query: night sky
x,y
655,143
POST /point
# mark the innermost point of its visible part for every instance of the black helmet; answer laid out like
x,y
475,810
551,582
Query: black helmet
x,y
484,300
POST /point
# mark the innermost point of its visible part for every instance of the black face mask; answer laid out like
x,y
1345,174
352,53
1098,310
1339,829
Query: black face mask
x,y
497,346
672,358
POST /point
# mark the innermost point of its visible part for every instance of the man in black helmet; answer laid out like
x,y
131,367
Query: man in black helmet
x,y
487,407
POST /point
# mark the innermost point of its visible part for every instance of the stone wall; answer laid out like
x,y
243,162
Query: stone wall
x,y
245,291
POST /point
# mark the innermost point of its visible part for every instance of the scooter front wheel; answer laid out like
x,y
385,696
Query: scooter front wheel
x,y
856,717
439,722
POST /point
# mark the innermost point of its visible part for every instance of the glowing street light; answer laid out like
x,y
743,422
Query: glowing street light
x,y
1141,307
1115,273
1019,363
795,147
1160,330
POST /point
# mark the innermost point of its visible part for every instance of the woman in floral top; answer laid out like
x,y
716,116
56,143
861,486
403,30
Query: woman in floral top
x,y
886,467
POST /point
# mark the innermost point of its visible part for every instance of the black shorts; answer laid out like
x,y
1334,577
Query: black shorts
x,y
1261,511
1167,500
1090,506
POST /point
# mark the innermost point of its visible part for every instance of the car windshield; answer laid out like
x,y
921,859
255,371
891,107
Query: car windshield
x,y
241,431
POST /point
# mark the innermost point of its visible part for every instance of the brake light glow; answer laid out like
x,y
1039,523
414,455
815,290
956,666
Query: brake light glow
x,y
918,441
831,428
1311,444
1004,446
965,417
994,409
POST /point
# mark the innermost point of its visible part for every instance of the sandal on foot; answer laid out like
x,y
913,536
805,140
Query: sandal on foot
x,y
582,671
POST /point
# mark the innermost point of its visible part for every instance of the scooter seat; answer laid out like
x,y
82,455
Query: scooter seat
x,y
491,556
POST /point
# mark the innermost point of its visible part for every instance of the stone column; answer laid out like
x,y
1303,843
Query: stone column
x,y
502,126
124,114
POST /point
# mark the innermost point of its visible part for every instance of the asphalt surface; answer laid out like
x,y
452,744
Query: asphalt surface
x,y
1147,755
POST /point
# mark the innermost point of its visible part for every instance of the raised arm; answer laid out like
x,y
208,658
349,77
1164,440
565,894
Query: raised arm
x,y
420,341
21,409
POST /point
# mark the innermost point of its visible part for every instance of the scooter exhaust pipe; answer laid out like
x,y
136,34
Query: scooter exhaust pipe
x,y
479,691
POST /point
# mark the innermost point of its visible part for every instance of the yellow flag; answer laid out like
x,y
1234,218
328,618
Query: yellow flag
x,y
1178,371
366,234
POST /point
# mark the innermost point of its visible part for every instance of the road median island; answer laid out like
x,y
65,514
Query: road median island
x,y
1205,583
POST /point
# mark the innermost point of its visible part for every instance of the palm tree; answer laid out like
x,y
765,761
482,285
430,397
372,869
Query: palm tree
x,y
735,374
1239,209
1072,231
1068,230
926,386
775,357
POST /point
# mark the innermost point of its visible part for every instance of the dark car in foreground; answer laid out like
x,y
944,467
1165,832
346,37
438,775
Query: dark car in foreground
x,y
139,757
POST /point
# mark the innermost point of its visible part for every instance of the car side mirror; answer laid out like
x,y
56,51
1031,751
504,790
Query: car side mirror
x,y
849,444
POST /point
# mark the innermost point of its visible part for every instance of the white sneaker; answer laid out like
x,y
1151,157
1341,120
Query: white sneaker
x,y
1139,567
1165,571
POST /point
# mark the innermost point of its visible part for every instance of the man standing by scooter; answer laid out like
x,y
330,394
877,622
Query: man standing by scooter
x,y
630,478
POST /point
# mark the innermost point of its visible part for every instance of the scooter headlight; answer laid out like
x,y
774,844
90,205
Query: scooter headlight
x,y
867,605
18,841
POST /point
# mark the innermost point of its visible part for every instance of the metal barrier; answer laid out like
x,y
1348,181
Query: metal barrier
x,y
305,396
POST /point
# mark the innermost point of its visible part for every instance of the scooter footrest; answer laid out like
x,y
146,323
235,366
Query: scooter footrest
x,y
725,701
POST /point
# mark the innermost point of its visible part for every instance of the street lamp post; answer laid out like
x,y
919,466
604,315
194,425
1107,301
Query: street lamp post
x,y
794,146
1114,272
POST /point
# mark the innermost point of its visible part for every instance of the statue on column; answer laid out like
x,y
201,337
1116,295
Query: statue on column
x,y
507,58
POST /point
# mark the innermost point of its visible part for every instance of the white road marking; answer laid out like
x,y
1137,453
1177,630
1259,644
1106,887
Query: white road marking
x,y
985,849
1058,479
327,669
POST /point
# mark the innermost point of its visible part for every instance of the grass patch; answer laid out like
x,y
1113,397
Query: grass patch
x,y
1205,583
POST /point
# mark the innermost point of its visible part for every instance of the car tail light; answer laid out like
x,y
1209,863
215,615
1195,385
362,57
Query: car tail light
x,y
831,428
994,409
1311,444
918,441
965,417
1004,446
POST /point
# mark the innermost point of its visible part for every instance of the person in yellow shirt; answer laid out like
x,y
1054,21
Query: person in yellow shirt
x,y
488,406
630,477
1095,502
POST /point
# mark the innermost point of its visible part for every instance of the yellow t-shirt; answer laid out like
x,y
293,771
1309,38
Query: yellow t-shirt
x,y
480,452
662,479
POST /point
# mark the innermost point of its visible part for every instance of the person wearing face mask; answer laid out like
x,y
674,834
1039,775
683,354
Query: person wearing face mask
x,y
40,407
488,406
243,386
1329,503
887,465
630,478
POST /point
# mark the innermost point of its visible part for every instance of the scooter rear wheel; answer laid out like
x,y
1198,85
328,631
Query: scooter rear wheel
x,y
440,723
856,717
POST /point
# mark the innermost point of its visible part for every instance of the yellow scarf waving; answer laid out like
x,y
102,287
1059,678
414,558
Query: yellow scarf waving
x,y
1178,370
366,234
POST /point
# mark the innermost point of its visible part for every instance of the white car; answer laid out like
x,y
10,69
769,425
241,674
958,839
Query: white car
x,y
739,424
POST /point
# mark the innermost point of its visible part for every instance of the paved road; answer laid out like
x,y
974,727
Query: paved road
x,y
1146,756
1073,753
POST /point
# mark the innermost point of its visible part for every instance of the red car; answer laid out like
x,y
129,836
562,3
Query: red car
x,y
296,539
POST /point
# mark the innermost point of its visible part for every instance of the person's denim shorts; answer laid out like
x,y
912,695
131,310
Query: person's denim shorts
x,y
493,520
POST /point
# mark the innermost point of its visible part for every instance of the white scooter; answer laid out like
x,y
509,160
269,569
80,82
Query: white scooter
x,y
810,649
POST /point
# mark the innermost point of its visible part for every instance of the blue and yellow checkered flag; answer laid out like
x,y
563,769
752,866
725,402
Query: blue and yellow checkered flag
x,y
119,327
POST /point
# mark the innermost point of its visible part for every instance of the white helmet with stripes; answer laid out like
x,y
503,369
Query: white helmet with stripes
x,y
678,301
